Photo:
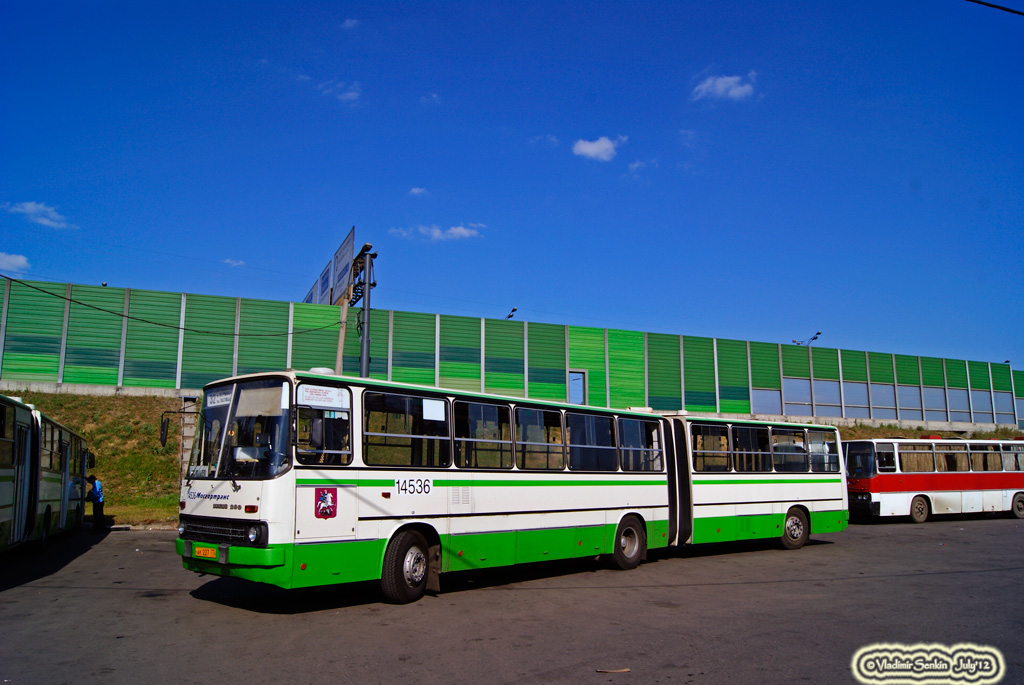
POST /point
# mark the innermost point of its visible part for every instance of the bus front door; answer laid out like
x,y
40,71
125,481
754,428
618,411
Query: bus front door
x,y
66,485
23,476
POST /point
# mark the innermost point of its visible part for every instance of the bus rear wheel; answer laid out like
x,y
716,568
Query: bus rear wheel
x,y
919,509
1017,508
630,543
796,531
404,576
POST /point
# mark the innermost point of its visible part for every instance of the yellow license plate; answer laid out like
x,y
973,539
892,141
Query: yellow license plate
x,y
205,552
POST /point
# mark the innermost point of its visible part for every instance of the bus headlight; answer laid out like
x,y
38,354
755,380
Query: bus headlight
x,y
181,529
254,534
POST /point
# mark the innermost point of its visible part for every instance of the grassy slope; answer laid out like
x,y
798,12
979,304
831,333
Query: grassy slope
x,y
140,478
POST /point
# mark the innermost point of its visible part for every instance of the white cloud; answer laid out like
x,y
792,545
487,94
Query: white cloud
x,y
602,149
418,191
39,213
725,88
303,77
350,24
432,99
454,233
436,234
549,139
232,262
349,93
14,262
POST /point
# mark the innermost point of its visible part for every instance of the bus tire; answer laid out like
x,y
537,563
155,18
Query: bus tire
x,y
1017,507
919,509
630,543
795,530
404,576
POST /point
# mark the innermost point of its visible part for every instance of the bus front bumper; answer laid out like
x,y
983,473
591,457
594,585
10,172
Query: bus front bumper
x,y
861,505
233,555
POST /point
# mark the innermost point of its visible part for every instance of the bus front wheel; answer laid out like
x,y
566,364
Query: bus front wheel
x,y
796,530
1017,508
404,576
919,509
630,543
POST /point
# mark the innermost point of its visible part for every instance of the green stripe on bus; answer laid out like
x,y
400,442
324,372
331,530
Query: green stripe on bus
x,y
346,481
513,483
765,481
306,565
730,528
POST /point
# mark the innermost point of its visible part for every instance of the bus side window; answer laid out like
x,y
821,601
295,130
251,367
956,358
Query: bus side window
x,y
824,451
789,450
405,430
886,458
1010,458
7,437
323,437
640,443
710,447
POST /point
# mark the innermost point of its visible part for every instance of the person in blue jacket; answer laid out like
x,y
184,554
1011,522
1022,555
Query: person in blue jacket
x,y
95,495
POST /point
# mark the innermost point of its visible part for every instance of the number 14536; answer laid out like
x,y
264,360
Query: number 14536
x,y
413,486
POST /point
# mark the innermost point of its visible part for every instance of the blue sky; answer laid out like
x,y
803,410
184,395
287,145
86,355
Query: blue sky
x,y
747,170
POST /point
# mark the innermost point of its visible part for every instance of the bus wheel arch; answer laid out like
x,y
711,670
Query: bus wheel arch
x,y
411,564
920,508
796,528
1017,505
630,545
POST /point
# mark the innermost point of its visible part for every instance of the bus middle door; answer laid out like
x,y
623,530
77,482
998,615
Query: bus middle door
x,y
66,484
24,480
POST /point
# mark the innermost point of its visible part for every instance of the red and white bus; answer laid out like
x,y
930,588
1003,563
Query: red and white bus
x,y
932,475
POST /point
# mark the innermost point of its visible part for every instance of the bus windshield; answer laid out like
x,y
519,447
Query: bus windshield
x,y
242,433
860,460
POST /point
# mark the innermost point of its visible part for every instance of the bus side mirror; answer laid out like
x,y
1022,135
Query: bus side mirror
x,y
90,460
316,433
164,424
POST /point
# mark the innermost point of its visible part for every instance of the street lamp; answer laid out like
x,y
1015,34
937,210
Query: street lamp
x,y
808,341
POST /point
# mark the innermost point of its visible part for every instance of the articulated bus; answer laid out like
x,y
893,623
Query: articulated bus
x,y
302,479
42,475
921,477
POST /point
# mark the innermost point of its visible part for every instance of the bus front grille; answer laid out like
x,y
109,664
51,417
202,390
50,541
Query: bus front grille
x,y
200,529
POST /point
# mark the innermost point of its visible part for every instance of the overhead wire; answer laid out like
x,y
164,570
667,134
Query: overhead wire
x,y
997,7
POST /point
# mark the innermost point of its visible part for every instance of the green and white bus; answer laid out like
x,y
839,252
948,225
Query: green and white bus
x,y
42,475
302,479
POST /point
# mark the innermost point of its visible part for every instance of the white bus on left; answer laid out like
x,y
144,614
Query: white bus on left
x,y
42,475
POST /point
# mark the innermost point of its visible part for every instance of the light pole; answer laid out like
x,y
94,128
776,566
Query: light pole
x,y
808,341
362,283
